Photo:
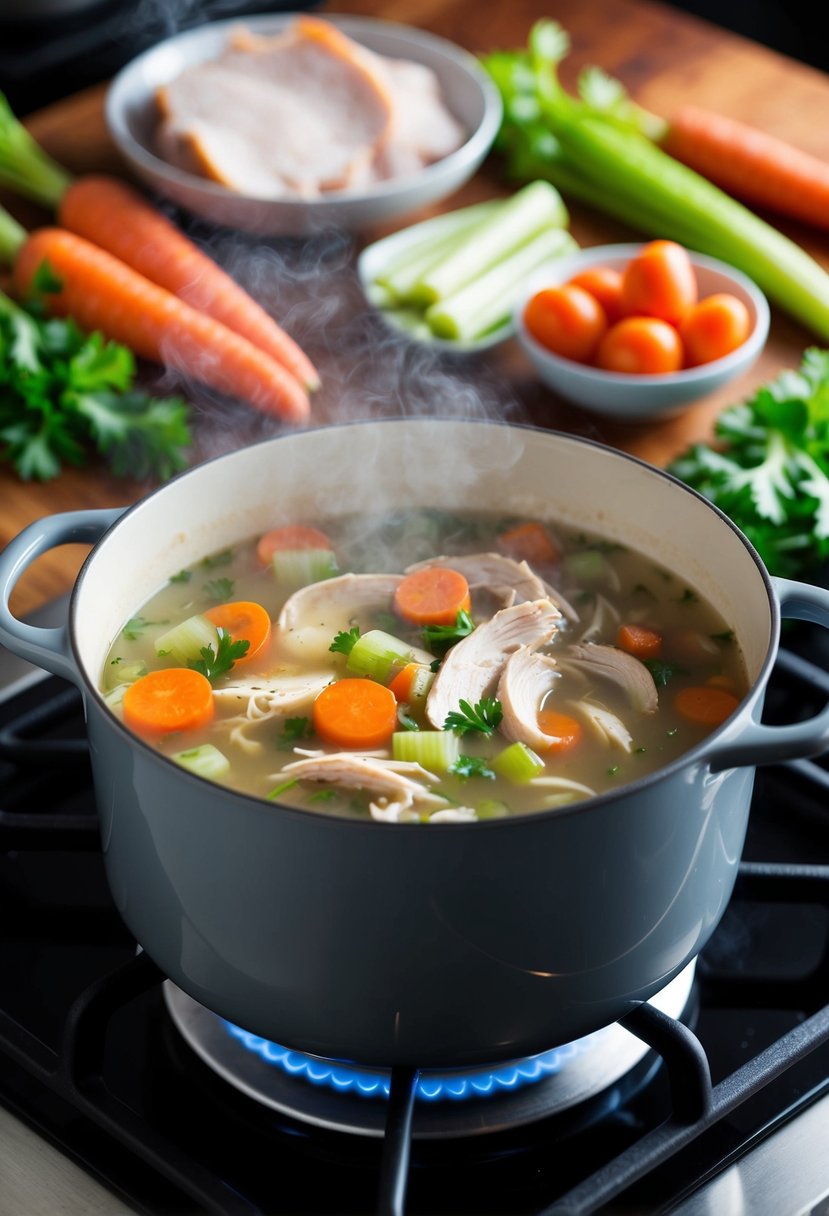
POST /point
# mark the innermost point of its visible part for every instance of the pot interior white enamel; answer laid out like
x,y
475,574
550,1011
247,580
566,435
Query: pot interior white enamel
x,y
425,463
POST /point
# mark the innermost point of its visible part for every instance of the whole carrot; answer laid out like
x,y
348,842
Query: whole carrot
x,y
112,214
750,164
102,293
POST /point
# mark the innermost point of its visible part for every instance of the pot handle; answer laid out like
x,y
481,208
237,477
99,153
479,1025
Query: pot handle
x,y
48,648
757,744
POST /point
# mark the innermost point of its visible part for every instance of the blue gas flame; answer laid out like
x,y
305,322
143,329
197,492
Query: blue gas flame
x,y
432,1086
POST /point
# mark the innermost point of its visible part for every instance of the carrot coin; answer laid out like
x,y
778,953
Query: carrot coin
x,y
566,320
355,713
565,732
176,698
641,346
432,596
245,621
705,706
714,328
642,643
291,536
660,281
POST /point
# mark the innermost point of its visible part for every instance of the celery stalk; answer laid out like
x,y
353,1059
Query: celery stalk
x,y
295,568
12,236
490,299
435,238
537,206
436,750
380,656
186,640
518,763
205,761
24,166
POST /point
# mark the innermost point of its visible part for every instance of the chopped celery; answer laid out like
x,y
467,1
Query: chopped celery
x,y
118,672
295,568
115,695
586,566
409,321
431,240
492,808
422,680
187,640
536,206
380,656
205,761
490,298
436,750
518,763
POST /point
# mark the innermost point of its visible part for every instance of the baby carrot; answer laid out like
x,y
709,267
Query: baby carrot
x,y
176,698
101,293
751,164
116,217
355,713
642,643
432,596
291,536
244,621
565,732
529,542
705,706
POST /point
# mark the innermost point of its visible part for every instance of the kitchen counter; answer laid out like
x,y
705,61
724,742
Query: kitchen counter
x,y
662,55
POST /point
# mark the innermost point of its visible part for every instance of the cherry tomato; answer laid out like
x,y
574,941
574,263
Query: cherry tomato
x,y
605,284
660,282
641,346
714,327
566,320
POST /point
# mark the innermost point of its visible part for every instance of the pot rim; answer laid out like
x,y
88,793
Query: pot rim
x,y
693,755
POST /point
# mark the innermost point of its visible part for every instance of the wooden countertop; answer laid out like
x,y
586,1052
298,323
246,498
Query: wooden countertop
x,y
662,55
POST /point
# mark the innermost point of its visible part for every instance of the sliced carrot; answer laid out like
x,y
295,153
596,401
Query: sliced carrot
x,y
115,216
642,643
176,698
355,713
565,732
245,621
529,542
432,596
705,706
102,293
751,164
403,683
292,536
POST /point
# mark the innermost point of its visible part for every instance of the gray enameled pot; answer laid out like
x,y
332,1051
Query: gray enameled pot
x,y
449,944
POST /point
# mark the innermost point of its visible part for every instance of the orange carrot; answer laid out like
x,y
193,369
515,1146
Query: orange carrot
x,y
102,293
403,683
565,732
245,621
355,713
530,542
113,215
751,164
705,706
291,536
642,643
432,596
176,698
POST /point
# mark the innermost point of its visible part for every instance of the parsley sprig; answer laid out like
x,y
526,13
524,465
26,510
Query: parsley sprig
x,y
64,392
214,664
471,766
483,717
345,640
768,468
439,638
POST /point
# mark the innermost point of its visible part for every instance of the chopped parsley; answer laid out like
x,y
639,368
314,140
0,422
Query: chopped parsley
x,y
135,626
662,672
214,664
345,640
217,559
484,717
183,576
293,730
219,588
471,766
439,638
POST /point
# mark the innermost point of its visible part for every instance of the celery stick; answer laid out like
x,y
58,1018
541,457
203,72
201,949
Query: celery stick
x,y
408,321
185,641
518,763
123,673
490,298
295,568
436,238
380,656
536,206
205,761
436,750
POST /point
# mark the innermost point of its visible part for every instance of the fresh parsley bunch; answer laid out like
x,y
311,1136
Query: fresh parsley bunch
x,y
63,392
770,471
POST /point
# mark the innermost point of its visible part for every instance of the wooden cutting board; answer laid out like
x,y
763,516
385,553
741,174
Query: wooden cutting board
x,y
663,56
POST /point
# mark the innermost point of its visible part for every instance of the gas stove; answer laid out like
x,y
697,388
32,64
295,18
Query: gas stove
x,y
712,1097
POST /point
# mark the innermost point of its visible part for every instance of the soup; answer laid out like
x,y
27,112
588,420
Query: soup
x,y
424,666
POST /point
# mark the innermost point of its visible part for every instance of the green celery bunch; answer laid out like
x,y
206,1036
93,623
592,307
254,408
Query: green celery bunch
x,y
769,470
600,147
63,392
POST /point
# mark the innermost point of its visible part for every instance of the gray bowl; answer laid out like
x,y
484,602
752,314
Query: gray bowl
x,y
131,117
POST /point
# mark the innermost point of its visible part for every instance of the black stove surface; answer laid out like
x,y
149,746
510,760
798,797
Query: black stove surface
x,y
91,1059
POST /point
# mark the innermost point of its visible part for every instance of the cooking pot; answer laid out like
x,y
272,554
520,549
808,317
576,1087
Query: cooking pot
x,y
429,945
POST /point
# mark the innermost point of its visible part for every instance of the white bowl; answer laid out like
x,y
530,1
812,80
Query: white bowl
x,y
634,397
131,117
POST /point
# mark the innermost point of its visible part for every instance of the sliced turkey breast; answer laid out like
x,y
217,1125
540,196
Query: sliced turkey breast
x,y
312,617
472,668
526,680
397,783
277,694
620,668
503,578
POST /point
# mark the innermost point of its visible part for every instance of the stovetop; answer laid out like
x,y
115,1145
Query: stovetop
x,y
91,1059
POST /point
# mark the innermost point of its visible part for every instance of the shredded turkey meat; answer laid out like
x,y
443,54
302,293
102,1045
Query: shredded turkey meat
x,y
502,578
621,669
312,616
525,681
